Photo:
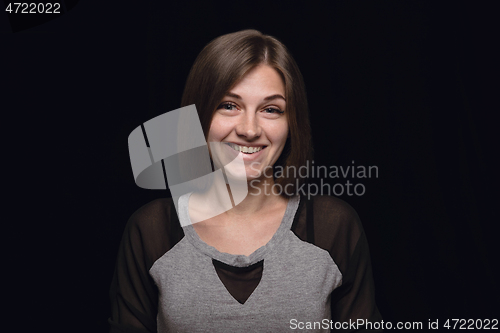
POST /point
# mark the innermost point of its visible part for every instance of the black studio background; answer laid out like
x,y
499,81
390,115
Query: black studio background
x,y
407,86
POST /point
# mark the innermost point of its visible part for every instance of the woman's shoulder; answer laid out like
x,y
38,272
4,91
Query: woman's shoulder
x,y
154,216
334,207
157,209
334,215
153,229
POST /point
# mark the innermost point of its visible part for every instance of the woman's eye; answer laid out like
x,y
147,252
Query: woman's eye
x,y
273,110
227,106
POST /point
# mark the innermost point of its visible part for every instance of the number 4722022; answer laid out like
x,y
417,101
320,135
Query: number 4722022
x,y
470,324
33,8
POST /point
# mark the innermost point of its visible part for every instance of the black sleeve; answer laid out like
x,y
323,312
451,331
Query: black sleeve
x,y
339,230
355,298
150,232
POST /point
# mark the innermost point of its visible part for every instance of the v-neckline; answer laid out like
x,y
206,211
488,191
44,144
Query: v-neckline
x,y
236,260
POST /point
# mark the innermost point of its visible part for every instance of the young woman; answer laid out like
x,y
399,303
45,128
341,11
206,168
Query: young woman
x,y
276,261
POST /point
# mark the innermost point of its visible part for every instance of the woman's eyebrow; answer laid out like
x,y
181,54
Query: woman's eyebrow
x,y
268,98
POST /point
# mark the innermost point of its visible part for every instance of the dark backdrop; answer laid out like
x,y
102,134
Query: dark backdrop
x,y
403,85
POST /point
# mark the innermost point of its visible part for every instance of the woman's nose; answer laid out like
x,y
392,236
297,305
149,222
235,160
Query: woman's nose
x,y
249,126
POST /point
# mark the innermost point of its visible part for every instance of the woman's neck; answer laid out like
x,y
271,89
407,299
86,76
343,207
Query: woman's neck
x,y
255,198
260,196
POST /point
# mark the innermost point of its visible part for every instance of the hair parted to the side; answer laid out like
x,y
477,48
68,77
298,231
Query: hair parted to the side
x,y
220,66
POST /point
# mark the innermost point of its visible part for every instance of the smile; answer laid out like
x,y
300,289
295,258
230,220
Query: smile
x,y
245,149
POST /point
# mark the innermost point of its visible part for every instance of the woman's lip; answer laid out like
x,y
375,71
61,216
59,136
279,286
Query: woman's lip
x,y
247,144
253,156
246,157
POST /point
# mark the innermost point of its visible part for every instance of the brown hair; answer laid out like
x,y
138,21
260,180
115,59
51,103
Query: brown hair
x,y
224,61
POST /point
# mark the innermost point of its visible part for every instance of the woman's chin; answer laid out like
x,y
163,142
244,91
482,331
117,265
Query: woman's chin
x,y
241,175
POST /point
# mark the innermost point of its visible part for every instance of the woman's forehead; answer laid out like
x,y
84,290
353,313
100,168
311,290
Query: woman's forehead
x,y
263,81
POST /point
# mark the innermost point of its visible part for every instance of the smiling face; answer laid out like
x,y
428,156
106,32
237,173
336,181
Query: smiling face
x,y
251,121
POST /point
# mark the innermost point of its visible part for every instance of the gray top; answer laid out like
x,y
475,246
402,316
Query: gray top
x,y
296,283
315,268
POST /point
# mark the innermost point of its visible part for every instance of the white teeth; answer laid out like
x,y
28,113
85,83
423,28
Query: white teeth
x,y
245,149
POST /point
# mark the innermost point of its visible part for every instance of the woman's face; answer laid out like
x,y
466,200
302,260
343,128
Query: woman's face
x,y
251,120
